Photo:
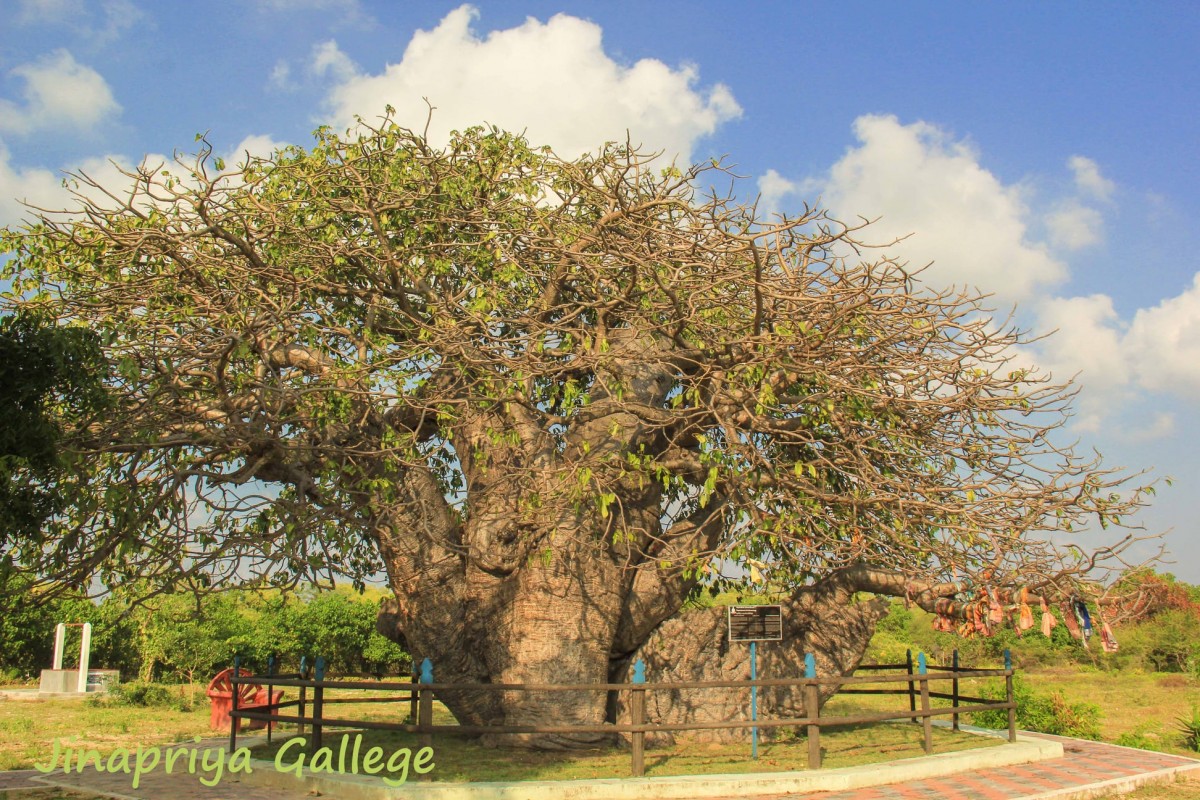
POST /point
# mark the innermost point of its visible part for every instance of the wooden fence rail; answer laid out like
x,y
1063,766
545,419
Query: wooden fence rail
x,y
420,690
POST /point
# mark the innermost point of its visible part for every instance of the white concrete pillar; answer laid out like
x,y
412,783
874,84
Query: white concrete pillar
x,y
85,653
60,639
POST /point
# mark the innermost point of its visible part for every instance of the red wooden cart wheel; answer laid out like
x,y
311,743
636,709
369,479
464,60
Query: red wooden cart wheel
x,y
223,684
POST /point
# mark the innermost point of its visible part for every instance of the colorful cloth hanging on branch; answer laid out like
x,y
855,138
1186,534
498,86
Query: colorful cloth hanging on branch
x,y
1048,619
1107,640
1084,620
995,609
1024,612
986,612
1069,619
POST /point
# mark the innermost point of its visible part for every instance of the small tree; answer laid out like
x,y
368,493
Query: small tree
x,y
551,398
341,629
45,370
191,635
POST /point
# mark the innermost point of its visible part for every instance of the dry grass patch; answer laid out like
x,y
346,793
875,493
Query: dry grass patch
x,y
1184,787
1134,704
29,728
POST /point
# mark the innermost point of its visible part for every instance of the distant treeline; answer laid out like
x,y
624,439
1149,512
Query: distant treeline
x,y
184,637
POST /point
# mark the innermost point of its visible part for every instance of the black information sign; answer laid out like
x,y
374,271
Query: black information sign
x,y
755,623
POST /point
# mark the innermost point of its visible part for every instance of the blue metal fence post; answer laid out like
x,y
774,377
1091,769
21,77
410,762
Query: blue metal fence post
x,y
812,709
425,705
926,717
318,702
954,688
753,700
637,716
303,694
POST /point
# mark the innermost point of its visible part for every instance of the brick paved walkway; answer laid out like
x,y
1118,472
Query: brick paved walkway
x,y
159,784
1085,764
19,779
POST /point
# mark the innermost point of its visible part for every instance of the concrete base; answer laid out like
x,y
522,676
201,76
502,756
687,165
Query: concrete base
x,y
361,787
66,681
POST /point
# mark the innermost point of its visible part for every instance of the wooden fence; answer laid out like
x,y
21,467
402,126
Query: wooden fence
x,y
913,680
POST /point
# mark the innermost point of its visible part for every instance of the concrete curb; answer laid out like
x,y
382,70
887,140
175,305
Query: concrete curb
x,y
1115,785
49,782
684,787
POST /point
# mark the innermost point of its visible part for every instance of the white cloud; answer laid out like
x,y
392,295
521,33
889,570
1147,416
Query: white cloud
x,y
1164,343
1073,226
1088,341
39,187
1158,351
1161,424
552,80
1088,179
44,188
1075,222
978,231
256,146
772,188
35,12
281,77
919,180
115,17
119,16
327,59
59,92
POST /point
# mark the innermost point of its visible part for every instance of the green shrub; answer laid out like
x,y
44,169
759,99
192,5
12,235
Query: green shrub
x,y
886,648
1170,642
1140,739
11,675
1190,726
137,693
1039,712
898,620
1134,739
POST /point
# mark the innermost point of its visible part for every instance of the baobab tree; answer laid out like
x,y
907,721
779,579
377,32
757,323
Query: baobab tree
x,y
551,399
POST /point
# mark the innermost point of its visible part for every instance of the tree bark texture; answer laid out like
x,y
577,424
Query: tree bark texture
x,y
568,620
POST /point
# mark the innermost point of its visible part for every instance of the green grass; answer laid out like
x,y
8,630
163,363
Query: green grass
x,y
1184,787
1138,708
463,759
29,728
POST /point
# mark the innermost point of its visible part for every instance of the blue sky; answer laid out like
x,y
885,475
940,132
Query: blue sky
x,y
1043,152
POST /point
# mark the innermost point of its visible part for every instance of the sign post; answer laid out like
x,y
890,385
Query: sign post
x,y
753,700
755,624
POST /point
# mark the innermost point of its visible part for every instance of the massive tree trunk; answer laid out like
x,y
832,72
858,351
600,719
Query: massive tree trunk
x,y
573,616
581,618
